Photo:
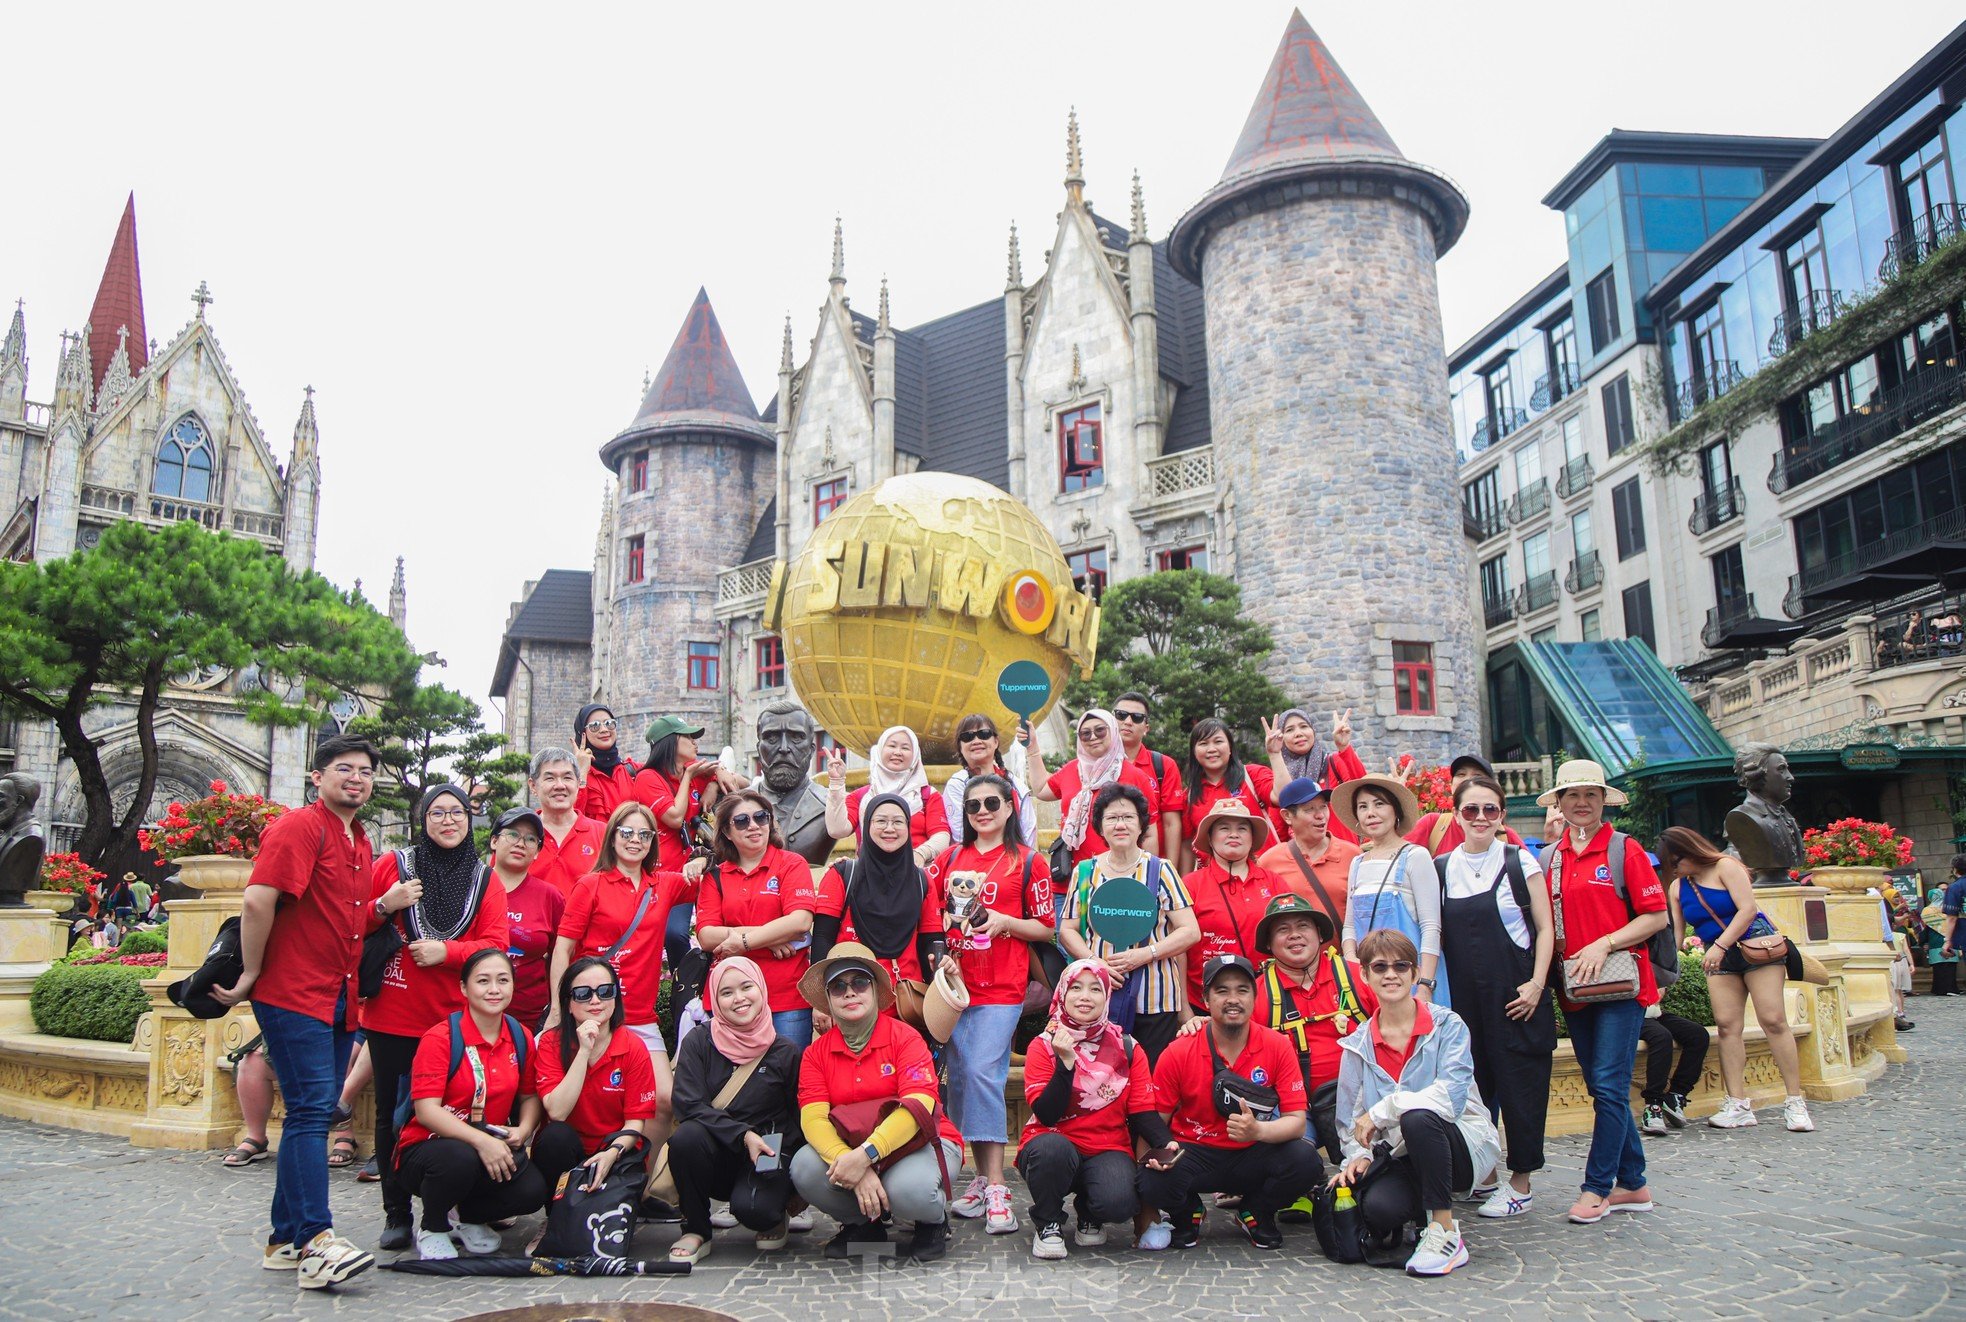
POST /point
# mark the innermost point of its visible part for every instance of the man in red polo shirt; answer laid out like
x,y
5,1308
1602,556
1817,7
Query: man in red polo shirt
x,y
1169,798
1257,1154
1311,994
571,843
1230,890
300,941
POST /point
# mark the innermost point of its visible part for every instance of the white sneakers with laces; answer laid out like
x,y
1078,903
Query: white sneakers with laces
x,y
1048,1244
1439,1251
969,1203
998,1219
328,1260
1506,1202
1734,1113
1795,1114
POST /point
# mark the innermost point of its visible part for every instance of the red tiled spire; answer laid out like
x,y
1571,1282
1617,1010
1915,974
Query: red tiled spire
x,y
1307,108
119,303
699,375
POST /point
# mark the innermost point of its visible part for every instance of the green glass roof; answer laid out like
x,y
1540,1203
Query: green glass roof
x,y
1622,702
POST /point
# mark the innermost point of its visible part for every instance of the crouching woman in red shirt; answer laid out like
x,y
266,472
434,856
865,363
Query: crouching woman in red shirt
x,y
595,1077
463,1148
1091,1094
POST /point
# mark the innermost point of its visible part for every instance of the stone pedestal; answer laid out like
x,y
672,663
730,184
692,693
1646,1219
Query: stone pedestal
x,y
27,944
1851,1020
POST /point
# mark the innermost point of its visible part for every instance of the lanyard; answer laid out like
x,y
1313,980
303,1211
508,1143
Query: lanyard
x,y
477,1085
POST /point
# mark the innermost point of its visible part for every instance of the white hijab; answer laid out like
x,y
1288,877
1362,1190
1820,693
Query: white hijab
x,y
909,783
1094,773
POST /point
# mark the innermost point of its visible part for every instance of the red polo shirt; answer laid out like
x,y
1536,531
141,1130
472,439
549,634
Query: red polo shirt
x,y
1393,1060
605,790
1592,907
830,902
1228,908
619,1087
779,885
563,862
505,1079
599,911
1257,786
923,822
1318,1004
1170,792
894,1064
532,921
1184,1083
1065,783
659,793
1103,1130
315,946
999,973
413,997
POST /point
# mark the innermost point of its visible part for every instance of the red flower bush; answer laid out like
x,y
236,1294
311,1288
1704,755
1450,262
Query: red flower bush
x,y
67,872
1432,786
1856,843
220,823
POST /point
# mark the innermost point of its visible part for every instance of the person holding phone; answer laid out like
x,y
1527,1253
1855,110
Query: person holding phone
x,y
607,779
593,1080
737,1114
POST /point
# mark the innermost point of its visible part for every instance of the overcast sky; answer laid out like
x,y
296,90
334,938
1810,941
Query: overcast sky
x,y
472,229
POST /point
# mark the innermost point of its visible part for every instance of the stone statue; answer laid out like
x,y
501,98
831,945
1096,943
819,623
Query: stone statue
x,y
21,846
1762,830
787,741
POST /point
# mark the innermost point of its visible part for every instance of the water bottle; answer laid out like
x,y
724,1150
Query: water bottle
x,y
1343,1200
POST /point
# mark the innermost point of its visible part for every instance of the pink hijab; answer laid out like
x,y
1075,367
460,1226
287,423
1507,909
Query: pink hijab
x,y
740,1046
1101,1076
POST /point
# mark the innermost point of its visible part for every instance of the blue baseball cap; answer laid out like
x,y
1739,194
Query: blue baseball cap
x,y
1300,791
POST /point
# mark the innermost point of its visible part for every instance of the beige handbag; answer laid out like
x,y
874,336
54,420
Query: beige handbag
x,y
662,1184
1617,980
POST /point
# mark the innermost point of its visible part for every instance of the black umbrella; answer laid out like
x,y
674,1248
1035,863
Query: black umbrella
x,y
590,1266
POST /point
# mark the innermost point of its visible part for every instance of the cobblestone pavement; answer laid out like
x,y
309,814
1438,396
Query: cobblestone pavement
x,y
1860,1217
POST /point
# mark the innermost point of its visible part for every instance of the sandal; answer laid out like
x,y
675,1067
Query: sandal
x,y
249,1151
341,1152
693,1255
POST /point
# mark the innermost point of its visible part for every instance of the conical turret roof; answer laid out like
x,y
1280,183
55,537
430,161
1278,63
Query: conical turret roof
x,y
699,387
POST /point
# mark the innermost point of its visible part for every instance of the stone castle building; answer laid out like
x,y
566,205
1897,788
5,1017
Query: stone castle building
x,y
158,434
1228,397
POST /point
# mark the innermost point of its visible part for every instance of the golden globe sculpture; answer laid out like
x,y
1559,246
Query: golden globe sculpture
x,y
907,603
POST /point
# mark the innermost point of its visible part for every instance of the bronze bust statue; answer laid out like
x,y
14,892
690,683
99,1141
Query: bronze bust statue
x,y
1762,830
787,742
21,846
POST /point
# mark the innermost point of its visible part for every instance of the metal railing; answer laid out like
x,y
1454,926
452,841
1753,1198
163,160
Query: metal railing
x,y
1796,324
1494,427
1483,524
1932,632
1947,526
1494,612
1726,615
1552,387
1187,470
1893,412
1586,573
1538,594
1575,477
1710,383
1919,240
1792,603
1713,508
1529,502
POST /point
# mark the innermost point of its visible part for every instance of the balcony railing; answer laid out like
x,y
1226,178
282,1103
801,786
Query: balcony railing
x,y
1932,632
1711,382
1529,502
1538,594
1919,240
740,585
1185,470
1890,414
1713,508
1792,603
1796,324
1586,573
1575,477
1551,387
1483,524
1950,526
1725,617
1494,427
1495,613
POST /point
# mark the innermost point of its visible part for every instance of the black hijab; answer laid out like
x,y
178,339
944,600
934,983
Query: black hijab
x,y
884,895
605,759
447,874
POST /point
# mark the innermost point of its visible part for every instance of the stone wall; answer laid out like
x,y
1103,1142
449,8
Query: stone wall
x,y
547,691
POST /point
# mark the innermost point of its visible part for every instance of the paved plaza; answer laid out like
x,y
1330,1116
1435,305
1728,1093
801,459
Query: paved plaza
x,y
1861,1217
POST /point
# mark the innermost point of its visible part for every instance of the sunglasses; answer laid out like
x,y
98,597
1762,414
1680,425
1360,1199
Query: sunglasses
x,y
988,803
1131,717
744,821
633,834
583,995
851,982
1474,812
600,725
1399,966
975,736
1093,733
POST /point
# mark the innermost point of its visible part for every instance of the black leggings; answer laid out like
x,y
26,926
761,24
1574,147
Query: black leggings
x,y
556,1149
392,1056
447,1173
706,1168
1421,1182
1658,1035
1103,1182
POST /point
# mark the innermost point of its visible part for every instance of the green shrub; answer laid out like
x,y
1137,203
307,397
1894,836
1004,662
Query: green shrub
x,y
150,941
101,1002
1688,997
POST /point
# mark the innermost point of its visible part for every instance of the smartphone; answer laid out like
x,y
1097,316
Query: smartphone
x,y
770,1162
1166,1156
498,1131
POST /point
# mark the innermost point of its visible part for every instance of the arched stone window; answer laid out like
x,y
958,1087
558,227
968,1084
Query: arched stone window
x,y
184,462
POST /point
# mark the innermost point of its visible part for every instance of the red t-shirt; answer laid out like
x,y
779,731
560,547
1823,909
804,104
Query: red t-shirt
x,y
413,997
1170,793
999,973
1344,764
1391,1060
599,911
1228,908
1257,786
315,945
1184,1083
532,921
923,822
659,793
1321,1034
894,1064
563,862
619,1087
505,1079
780,884
605,790
1103,1130
830,902
1592,907
1450,839
1065,783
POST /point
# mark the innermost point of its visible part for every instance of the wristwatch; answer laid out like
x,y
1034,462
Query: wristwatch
x,y
1428,983
873,1153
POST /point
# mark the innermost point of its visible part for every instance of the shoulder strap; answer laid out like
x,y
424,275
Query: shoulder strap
x,y
735,1084
1614,858
520,1039
1439,833
1342,976
1304,866
457,1042
1159,763
1518,879
641,911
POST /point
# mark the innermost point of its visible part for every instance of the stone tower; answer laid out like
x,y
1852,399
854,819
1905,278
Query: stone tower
x,y
1328,402
692,474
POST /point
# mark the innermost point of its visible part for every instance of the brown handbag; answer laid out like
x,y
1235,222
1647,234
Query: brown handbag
x,y
1770,948
855,1123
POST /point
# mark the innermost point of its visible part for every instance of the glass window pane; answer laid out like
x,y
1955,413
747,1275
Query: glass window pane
x,y
1536,555
1581,535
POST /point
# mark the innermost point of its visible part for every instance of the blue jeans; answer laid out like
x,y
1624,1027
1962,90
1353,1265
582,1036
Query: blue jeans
x,y
1605,1038
310,1059
795,1026
978,1057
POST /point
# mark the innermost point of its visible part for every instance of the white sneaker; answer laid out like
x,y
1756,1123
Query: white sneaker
x,y
1049,1243
434,1246
1439,1252
721,1218
1734,1113
1089,1235
476,1238
1155,1238
281,1258
969,1203
1505,1202
1795,1114
799,1223
329,1260
998,1218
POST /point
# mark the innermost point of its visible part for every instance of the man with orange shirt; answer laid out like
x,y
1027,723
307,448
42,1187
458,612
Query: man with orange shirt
x,y
1315,862
1229,891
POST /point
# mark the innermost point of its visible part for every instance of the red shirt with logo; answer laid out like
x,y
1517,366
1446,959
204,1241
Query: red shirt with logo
x,y
1592,907
1228,908
321,870
658,791
563,862
1393,1059
1184,1083
1170,792
923,822
606,790
894,1064
619,1087
1258,785
532,921
1066,782
1318,1005
997,974
732,897
505,1079
830,902
413,997
1103,1130
600,909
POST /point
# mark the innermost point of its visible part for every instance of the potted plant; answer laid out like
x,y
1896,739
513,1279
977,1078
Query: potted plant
x,y
1432,786
1853,855
65,879
212,840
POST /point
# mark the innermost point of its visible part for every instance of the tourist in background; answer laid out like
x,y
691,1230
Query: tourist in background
x,y
1212,772
1296,754
1391,885
1940,952
757,900
607,779
894,766
569,843
679,788
1101,760
980,749
1440,832
1132,716
1667,1086
532,911
1313,860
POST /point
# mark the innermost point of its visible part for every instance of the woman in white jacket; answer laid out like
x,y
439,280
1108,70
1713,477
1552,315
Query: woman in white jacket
x,y
1406,1080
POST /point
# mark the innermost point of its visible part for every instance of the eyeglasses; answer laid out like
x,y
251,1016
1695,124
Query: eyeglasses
x,y
1131,717
446,815
744,821
850,982
529,841
347,772
988,803
1474,812
605,992
975,736
1093,733
633,834
600,725
1399,966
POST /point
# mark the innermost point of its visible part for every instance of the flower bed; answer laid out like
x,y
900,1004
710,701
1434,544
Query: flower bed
x,y
1856,843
